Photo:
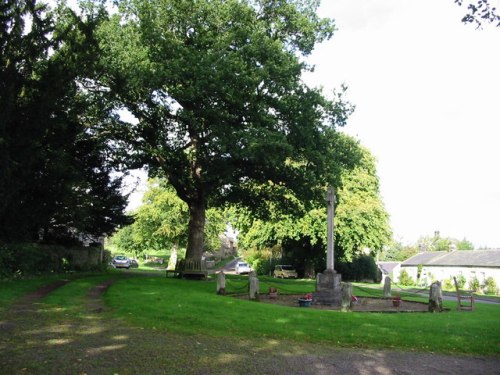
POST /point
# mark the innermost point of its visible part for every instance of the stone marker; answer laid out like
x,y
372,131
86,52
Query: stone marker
x,y
253,286
387,287
221,283
346,296
435,297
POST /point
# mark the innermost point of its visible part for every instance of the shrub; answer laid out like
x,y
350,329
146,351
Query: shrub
x,y
448,284
405,279
461,281
361,268
474,284
490,286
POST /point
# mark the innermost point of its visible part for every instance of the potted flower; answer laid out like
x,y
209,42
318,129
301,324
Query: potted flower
x,y
306,300
396,301
273,293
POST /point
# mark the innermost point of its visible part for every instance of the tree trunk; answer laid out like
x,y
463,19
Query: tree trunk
x,y
196,230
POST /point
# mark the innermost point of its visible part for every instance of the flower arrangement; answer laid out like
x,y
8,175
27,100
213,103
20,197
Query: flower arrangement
x,y
396,300
308,296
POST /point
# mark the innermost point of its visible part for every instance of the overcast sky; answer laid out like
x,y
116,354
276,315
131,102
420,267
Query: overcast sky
x,y
426,90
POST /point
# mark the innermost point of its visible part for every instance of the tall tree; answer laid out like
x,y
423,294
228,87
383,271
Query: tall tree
x,y
54,173
216,89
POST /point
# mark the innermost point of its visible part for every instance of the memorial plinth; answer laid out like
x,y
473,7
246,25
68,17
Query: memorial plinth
x,y
328,289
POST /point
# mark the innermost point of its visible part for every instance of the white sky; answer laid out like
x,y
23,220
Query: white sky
x,y
426,90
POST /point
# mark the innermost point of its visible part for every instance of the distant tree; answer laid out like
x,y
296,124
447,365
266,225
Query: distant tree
x,y
161,223
465,245
398,252
361,221
479,12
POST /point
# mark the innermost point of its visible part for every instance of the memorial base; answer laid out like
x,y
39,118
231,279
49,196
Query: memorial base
x,y
328,289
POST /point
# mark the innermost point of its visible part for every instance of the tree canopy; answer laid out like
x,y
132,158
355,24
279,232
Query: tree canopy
x,y
54,174
360,220
161,223
216,91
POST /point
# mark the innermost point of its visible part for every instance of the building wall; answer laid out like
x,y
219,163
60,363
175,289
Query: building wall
x,y
441,273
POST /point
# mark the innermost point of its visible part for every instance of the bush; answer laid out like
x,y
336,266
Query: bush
x,y
474,284
461,280
26,259
405,279
490,286
361,268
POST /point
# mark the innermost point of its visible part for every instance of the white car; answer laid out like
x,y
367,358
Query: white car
x,y
241,268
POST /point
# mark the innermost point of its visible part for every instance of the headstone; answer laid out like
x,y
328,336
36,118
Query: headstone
x,y
387,287
435,297
173,260
221,283
346,296
253,286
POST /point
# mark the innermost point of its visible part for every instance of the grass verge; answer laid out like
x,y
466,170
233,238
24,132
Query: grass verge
x,y
192,307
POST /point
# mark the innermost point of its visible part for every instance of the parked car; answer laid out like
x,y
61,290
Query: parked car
x,y
121,261
133,263
242,268
285,271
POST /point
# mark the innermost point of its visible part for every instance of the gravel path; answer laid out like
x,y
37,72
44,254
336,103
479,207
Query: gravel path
x,y
33,341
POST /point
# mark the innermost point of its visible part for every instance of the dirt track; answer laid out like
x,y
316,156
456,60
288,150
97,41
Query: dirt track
x,y
40,342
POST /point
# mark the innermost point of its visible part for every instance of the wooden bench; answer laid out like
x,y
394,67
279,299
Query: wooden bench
x,y
191,269
465,298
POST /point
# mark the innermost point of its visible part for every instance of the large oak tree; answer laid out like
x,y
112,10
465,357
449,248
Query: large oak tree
x,y
216,91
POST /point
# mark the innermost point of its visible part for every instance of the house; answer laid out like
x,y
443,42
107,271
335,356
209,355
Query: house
x,y
443,265
389,269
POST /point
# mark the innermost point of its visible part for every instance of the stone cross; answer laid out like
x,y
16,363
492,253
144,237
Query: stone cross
x,y
330,200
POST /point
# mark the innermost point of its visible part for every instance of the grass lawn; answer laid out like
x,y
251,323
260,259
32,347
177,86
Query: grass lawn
x,y
192,307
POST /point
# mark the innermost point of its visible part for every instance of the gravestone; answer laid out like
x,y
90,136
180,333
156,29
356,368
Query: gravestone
x,y
346,289
221,283
253,286
435,297
387,287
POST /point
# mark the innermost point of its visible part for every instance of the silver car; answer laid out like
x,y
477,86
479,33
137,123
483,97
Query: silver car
x,y
121,261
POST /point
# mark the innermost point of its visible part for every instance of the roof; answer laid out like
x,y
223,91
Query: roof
x,y
457,258
387,267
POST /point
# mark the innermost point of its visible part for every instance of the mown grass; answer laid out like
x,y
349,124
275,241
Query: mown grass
x,y
192,307
11,290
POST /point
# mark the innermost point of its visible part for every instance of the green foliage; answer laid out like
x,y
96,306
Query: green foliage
x,y
29,259
461,280
360,218
302,237
397,252
217,91
361,268
405,279
490,286
54,173
474,284
161,223
465,245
